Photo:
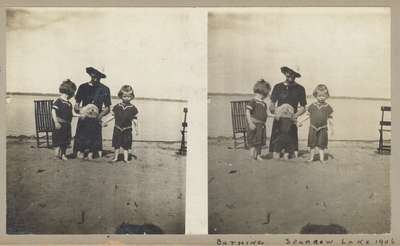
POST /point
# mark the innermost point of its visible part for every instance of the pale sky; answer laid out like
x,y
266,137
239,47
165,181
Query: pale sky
x,y
348,49
157,51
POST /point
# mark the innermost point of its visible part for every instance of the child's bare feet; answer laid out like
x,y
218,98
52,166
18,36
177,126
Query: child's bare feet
x,y
126,156
100,154
259,158
115,158
57,153
252,153
90,156
64,158
79,155
286,156
322,156
312,152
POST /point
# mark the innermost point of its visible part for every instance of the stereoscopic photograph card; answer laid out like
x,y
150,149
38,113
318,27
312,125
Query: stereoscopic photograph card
x,y
299,121
97,120
212,123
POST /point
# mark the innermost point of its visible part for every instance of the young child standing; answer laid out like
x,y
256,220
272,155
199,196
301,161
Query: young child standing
x,y
320,113
62,116
124,114
284,141
256,115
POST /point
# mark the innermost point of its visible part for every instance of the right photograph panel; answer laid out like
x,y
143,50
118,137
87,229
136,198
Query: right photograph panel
x,y
299,121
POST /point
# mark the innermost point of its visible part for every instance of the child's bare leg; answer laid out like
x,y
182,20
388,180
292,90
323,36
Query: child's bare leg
x,y
321,155
116,154
100,153
252,151
312,153
256,152
296,154
90,155
63,150
258,157
57,152
126,155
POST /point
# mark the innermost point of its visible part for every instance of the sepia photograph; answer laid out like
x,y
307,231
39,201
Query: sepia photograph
x,y
299,120
97,119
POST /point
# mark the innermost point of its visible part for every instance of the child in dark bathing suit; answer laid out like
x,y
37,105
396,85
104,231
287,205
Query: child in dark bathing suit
x,y
124,114
62,116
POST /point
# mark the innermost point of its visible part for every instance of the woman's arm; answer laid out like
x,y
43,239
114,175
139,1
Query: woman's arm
x,y
77,108
107,104
76,111
272,107
104,112
300,123
105,123
300,110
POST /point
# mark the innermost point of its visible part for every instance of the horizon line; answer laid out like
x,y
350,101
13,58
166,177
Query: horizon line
x,y
308,96
112,97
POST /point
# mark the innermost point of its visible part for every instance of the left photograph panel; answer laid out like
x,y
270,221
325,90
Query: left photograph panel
x,y
97,119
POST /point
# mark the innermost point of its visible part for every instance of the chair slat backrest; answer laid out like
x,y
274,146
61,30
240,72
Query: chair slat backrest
x,y
44,121
384,122
239,121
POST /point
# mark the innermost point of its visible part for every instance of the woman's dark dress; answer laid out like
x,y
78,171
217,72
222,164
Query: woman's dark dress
x,y
292,94
88,134
284,141
62,137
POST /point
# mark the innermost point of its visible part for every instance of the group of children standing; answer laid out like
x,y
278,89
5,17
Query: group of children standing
x,y
319,114
124,114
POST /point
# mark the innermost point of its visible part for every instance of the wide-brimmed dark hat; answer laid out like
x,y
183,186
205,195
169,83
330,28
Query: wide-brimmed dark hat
x,y
289,70
93,71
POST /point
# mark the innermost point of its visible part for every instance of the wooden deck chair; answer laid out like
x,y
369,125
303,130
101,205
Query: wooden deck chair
x,y
385,126
44,121
239,123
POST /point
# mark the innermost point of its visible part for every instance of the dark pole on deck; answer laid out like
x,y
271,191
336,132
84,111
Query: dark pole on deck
x,y
183,149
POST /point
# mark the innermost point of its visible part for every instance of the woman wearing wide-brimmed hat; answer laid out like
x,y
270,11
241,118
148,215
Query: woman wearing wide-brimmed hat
x,y
88,136
292,93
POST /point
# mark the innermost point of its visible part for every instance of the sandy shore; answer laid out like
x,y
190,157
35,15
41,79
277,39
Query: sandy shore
x,y
351,190
47,196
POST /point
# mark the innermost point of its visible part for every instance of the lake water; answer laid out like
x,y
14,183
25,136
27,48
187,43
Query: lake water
x,y
354,119
159,120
